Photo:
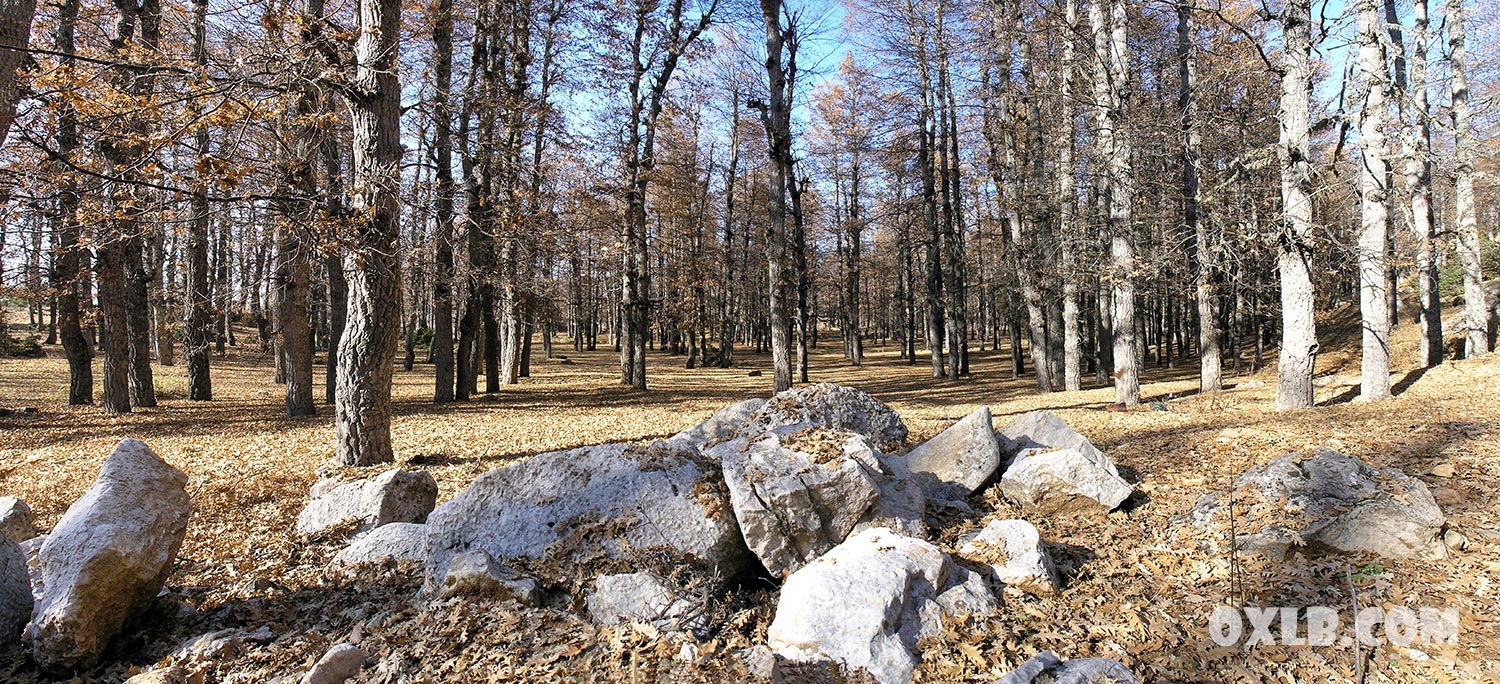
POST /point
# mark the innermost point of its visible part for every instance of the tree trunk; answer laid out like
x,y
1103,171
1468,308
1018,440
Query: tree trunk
x,y
368,347
776,116
1205,261
1418,171
1374,305
70,262
15,30
1299,341
442,156
1476,316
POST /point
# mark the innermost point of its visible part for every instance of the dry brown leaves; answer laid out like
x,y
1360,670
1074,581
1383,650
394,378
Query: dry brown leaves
x,y
1138,588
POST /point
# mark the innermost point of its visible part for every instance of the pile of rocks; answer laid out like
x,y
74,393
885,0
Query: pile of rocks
x,y
809,488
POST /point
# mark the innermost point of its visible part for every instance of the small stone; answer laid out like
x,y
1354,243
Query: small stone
x,y
337,665
1013,551
16,521
393,496
1047,668
758,660
393,543
476,573
1443,470
644,598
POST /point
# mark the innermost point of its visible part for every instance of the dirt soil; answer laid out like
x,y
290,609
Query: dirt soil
x,y
1139,588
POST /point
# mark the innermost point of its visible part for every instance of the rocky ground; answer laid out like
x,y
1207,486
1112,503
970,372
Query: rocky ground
x,y
1137,586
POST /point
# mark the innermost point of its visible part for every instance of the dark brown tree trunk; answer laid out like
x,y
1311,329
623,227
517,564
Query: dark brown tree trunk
x,y
363,415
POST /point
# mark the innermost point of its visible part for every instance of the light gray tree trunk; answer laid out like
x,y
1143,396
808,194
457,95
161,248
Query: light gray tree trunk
x,y
1067,211
1299,340
1374,233
1476,318
1210,364
15,29
1417,144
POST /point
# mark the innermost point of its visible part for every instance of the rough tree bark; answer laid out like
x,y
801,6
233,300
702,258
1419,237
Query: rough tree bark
x,y
68,276
363,405
1299,339
1210,364
1417,144
776,117
1476,318
1374,233
196,335
442,157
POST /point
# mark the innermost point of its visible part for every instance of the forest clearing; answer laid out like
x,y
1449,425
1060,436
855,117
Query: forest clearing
x,y
801,341
1146,591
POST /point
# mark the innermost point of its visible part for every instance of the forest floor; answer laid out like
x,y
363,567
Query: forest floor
x,y
1139,587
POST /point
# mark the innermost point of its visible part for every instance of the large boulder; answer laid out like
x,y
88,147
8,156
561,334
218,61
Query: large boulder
x,y
1044,431
15,591
646,598
108,556
1047,668
1331,503
16,521
1054,470
966,454
831,406
393,543
798,492
902,503
722,425
1013,551
862,606
1062,482
610,498
393,496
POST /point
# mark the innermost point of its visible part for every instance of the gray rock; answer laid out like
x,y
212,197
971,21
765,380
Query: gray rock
x,y
831,406
1064,481
15,592
393,543
902,503
393,496
1044,431
798,492
861,605
32,550
1332,503
337,665
1047,668
966,454
644,597
1013,551
16,521
611,497
108,556
758,660
967,593
476,573
724,424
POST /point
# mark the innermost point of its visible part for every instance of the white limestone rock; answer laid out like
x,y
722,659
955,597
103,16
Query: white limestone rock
x,y
861,605
798,492
16,521
645,598
1013,551
832,406
393,543
966,454
395,495
476,573
722,425
108,556
611,497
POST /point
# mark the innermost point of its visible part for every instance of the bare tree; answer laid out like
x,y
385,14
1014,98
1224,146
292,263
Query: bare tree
x,y
368,346
1476,317
1299,340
